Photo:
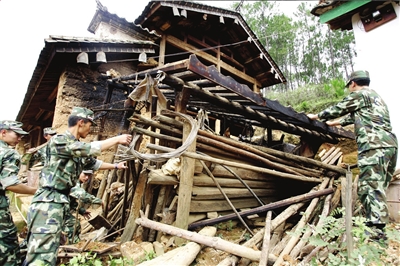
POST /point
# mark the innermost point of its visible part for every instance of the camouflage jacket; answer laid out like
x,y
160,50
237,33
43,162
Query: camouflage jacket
x,y
79,194
40,155
66,157
370,116
9,168
85,197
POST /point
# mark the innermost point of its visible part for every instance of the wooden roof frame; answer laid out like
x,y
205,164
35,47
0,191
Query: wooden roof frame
x,y
225,98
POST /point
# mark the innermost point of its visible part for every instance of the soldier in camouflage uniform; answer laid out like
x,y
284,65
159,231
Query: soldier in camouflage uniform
x,y
67,156
10,135
40,154
71,227
78,198
377,144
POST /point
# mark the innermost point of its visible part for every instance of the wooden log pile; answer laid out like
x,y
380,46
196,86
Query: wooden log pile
x,y
224,180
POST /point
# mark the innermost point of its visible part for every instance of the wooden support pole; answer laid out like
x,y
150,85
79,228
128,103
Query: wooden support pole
x,y
215,242
239,165
349,212
182,256
185,185
265,245
231,150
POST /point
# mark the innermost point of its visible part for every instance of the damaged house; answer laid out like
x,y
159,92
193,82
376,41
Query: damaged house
x,y
185,79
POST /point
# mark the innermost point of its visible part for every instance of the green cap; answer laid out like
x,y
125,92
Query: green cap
x,y
49,131
84,113
359,74
12,125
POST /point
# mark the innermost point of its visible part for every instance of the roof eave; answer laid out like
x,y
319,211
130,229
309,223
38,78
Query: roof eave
x,y
341,10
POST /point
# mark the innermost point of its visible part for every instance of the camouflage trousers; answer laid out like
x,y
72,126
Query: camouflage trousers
x,y
9,246
72,224
45,220
376,170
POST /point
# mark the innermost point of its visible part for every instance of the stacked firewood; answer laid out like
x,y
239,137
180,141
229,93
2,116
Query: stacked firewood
x,y
231,180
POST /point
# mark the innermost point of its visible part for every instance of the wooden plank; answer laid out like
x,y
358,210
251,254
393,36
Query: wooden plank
x,y
335,158
222,205
185,184
204,180
157,177
328,153
242,165
209,193
266,240
332,155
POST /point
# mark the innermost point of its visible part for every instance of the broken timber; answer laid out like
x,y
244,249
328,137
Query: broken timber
x,y
214,242
240,165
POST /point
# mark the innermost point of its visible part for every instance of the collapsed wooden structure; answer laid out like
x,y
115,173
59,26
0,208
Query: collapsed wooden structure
x,y
215,175
225,176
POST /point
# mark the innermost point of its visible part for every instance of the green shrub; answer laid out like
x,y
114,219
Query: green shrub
x,y
365,251
310,98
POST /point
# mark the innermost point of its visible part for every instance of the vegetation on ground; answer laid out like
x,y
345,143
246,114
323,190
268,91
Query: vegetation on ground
x,y
311,98
366,250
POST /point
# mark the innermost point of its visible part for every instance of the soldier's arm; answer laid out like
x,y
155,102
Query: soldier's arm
x,y
121,139
9,179
349,104
21,189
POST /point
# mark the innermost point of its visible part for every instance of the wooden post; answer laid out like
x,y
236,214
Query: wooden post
x,y
349,212
163,45
187,170
265,245
214,242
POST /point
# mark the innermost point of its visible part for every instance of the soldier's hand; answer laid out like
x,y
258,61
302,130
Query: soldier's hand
x,y
122,165
333,123
87,215
125,139
312,116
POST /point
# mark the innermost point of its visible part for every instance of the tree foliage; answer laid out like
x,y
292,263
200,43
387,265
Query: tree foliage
x,y
306,51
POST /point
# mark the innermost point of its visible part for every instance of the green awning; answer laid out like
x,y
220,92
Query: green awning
x,y
341,10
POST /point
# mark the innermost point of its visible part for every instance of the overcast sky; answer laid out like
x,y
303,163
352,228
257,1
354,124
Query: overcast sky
x,y
24,24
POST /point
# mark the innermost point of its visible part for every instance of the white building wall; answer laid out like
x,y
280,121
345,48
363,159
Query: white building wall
x,y
106,31
378,51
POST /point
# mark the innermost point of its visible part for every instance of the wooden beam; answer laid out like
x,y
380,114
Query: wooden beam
x,y
161,58
192,49
187,169
216,51
52,95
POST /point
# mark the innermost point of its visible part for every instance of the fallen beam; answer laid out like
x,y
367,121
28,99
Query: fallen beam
x,y
240,165
215,242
